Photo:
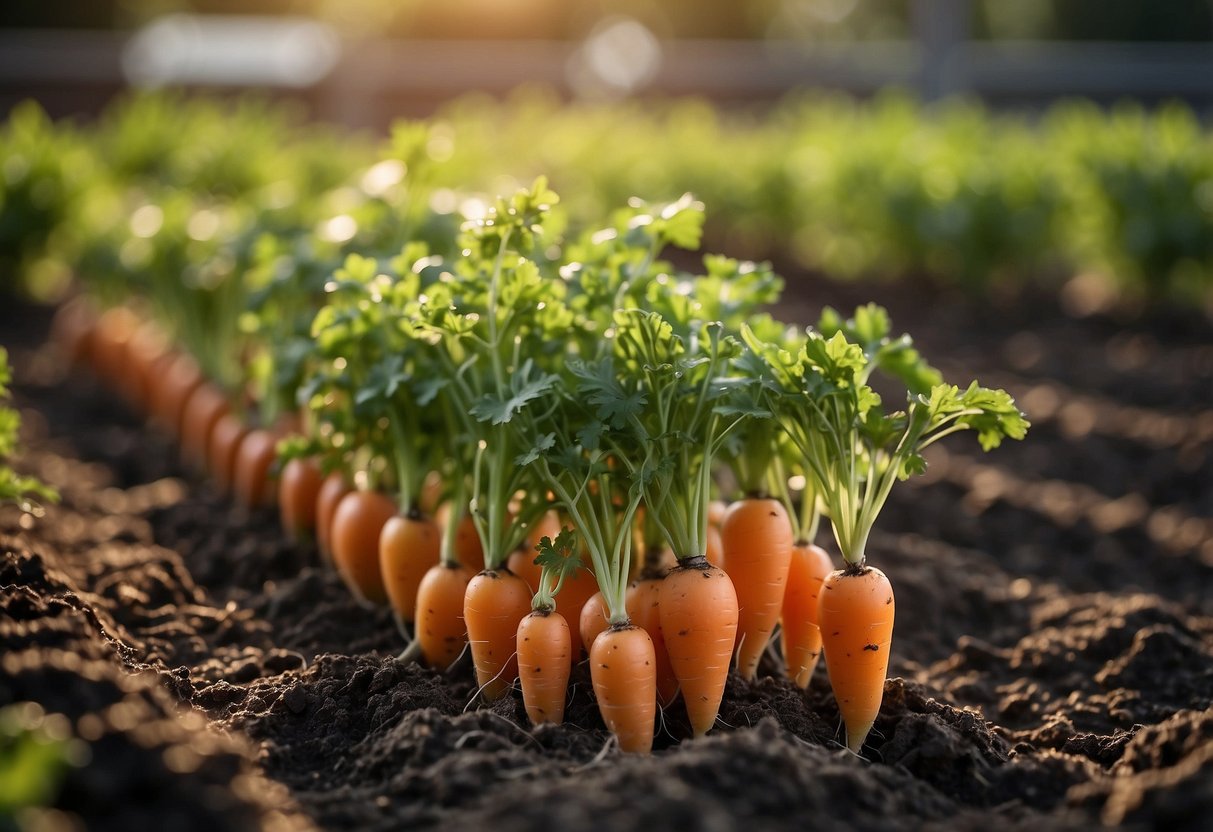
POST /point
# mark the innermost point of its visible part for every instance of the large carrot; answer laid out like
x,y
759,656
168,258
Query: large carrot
x,y
298,487
495,603
621,668
856,618
409,546
357,522
698,607
592,622
757,538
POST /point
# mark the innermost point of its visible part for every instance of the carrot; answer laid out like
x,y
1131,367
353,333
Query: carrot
x,y
408,547
202,410
73,327
522,563
593,620
713,545
331,492
468,546
357,522
578,589
298,487
717,509
440,630
698,607
495,602
544,647
251,481
622,664
801,636
757,551
644,608
182,377
224,441
856,618
115,328
145,351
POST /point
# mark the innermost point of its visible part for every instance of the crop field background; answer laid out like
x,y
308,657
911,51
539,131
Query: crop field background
x,y
170,659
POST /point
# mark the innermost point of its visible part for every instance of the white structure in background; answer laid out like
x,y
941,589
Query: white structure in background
x,y
230,50
620,56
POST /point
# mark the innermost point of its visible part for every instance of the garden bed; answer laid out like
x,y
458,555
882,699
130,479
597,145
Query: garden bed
x,y
1052,665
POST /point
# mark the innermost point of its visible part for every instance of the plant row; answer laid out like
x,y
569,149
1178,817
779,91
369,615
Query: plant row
x,y
512,427
888,187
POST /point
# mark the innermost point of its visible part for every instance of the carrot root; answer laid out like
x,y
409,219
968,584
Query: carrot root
x,y
856,619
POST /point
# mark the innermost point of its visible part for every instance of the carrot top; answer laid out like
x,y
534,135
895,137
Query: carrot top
x,y
854,450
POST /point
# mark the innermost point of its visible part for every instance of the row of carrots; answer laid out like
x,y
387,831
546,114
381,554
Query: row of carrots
x,y
513,428
521,472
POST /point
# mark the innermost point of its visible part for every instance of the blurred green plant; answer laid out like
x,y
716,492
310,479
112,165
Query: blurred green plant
x,y
14,488
36,751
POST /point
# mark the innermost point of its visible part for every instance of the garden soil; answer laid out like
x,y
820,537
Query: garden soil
x,y
1052,661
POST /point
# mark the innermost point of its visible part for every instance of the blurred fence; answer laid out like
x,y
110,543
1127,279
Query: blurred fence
x,y
370,81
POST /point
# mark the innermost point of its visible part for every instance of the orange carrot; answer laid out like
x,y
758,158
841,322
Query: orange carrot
x,y
468,547
202,410
522,563
644,608
182,376
717,509
332,491
856,619
357,522
577,591
543,645
440,630
622,668
251,481
495,602
757,552
225,438
409,546
298,488
698,607
801,635
73,327
593,620
714,546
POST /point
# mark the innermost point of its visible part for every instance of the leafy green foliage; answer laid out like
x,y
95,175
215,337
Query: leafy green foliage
x,y
14,488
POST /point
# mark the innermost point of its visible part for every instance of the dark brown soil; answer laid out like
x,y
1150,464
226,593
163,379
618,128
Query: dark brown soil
x,y
1052,663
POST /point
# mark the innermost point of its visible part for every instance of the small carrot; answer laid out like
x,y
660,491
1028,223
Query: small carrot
x,y
357,523
73,328
495,602
544,639
224,442
698,607
856,619
298,487
331,492
714,546
593,620
757,552
440,630
409,546
622,664
543,665
202,411
577,591
251,482
182,376
801,633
